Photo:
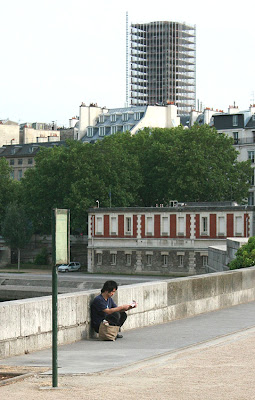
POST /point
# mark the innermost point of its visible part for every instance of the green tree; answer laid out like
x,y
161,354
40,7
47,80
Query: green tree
x,y
76,175
245,255
196,164
16,228
8,188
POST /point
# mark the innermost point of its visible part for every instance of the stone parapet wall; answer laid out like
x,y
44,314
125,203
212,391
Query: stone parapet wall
x,y
26,324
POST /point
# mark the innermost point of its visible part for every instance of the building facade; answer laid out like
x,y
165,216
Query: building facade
x,y
9,133
163,65
240,125
22,156
162,240
95,122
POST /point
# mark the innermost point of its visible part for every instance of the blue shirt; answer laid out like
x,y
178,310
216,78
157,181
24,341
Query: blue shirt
x,y
98,305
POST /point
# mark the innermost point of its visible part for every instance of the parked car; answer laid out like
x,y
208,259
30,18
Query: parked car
x,y
72,266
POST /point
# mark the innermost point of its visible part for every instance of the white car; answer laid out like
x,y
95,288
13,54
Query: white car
x,y
72,266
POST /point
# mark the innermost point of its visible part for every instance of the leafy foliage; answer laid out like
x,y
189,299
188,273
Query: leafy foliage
x,y
153,166
42,258
245,255
8,188
16,227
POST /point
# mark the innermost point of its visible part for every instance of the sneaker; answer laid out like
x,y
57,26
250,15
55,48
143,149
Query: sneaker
x,y
119,336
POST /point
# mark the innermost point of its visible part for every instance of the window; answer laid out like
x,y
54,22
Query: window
x,y
113,117
221,226
126,128
19,174
12,174
99,258
90,131
113,258
252,179
251,156
236,139
114,226
164,226
165,260
101,118
204,226
205,261
180,260
20,161
128,225
11,162
238,226
99,225
235,120
251,199
149,228
137,116
101,130
128,259
30,161
113,129
181,226
125,117
149,259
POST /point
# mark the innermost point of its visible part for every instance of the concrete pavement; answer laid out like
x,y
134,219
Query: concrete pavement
x,y
142,345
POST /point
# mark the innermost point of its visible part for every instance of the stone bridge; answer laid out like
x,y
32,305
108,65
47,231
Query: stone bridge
x,y
26,324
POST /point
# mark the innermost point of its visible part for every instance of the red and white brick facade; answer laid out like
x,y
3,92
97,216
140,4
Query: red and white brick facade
x,y
161,239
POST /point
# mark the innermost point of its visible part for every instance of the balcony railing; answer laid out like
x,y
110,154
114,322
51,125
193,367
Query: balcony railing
x,y
246,140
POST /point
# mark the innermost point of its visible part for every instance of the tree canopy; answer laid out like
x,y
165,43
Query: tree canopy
x,y
8,187
153,166
16,227
245,255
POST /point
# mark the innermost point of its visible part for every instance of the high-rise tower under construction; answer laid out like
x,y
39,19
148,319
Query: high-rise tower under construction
x,y
163,64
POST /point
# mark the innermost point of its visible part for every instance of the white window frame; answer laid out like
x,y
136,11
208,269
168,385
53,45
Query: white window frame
x,y
90,131
125,117
235,120
219,231
181,232
112,230
238,232
165,232
137,116
101,118
151,218
113,129
113,117
101,130
128,224
203,225
98,224
251,155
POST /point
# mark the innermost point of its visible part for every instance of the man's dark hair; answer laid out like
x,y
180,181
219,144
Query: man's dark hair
x,y
109,286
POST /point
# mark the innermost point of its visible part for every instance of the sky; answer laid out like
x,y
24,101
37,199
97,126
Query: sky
x,y
56,54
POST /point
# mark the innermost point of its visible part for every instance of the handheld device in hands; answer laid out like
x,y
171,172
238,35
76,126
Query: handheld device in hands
x,y
133,304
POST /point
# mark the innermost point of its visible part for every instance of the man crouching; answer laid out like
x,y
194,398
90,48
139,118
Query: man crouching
x,y
104,308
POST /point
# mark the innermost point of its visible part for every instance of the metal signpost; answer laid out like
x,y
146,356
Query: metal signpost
x,y
60,255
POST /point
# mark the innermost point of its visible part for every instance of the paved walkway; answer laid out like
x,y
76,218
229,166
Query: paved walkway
x,y
94,356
